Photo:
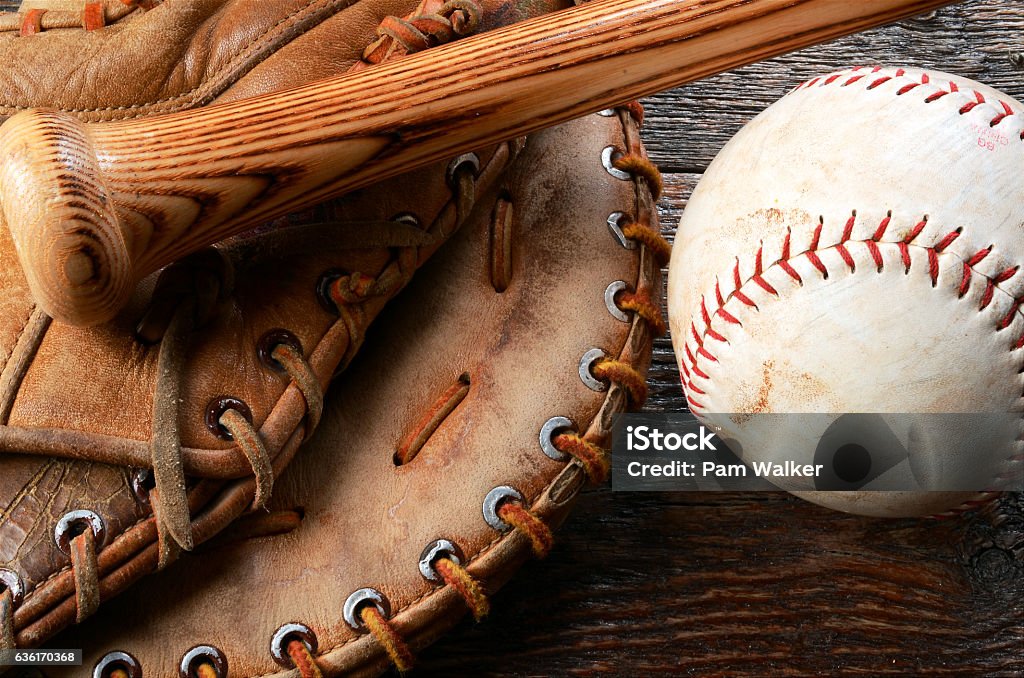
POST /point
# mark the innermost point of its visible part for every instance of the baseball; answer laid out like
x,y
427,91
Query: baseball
x,y
857,249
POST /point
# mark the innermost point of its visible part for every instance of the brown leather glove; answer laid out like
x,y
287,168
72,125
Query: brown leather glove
x,y
122,443
457,440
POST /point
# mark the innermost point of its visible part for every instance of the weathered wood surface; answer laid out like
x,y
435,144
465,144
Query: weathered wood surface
x,y
766,584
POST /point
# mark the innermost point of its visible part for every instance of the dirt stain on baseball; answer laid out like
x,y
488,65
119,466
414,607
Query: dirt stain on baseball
x,y
760,403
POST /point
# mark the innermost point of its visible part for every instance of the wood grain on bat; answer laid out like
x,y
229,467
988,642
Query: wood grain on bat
x,y
180,182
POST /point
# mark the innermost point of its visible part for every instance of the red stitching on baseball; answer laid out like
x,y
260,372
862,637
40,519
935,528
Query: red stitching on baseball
x,y
786,266
1008,318
933,266
704,352
728,317
925,79
876,254
948,240
1007,274
880,231
816,238
689,365
848,229
765,286
745,299
845,254
812,250
916,231
1007,112
739,295
707,321
965,280
715,335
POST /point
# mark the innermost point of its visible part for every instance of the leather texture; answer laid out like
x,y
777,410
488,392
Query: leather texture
x,y
856,248
517,342
187,53
77,405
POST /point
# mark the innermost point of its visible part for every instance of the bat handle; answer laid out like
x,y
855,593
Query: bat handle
x,y
73,250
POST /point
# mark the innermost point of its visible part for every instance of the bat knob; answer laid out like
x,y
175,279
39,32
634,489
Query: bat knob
x,y
72,248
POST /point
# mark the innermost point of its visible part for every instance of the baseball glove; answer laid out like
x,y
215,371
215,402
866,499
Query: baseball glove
x,y
457,440
126,442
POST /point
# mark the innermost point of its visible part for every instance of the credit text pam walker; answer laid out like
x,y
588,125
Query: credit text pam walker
x,y
643,438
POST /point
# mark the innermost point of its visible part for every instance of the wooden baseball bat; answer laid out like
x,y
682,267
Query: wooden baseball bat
x,y
93,208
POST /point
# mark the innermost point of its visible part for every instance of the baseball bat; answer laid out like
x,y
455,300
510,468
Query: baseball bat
x,y
94,208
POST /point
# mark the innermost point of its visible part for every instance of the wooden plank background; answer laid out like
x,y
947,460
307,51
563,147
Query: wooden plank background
x,y
765,584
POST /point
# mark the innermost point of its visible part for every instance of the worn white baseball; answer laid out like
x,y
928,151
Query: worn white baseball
x,y
857,248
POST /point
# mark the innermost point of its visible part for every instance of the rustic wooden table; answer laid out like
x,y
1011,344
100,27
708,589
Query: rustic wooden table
x,y
766,584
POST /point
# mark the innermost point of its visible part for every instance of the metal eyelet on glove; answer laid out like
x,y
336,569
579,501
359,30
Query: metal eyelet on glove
x,y
231,419
359,599
587,367
493,501
560,440
458,163
323,289
368,611
203,654
12,582
80,535
504,508
598,371
548,431
73,523
270,341
117,661
608,157
615,220
409,219
285,635
442,562
216,409
439,548
142,483
609,300
12,593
